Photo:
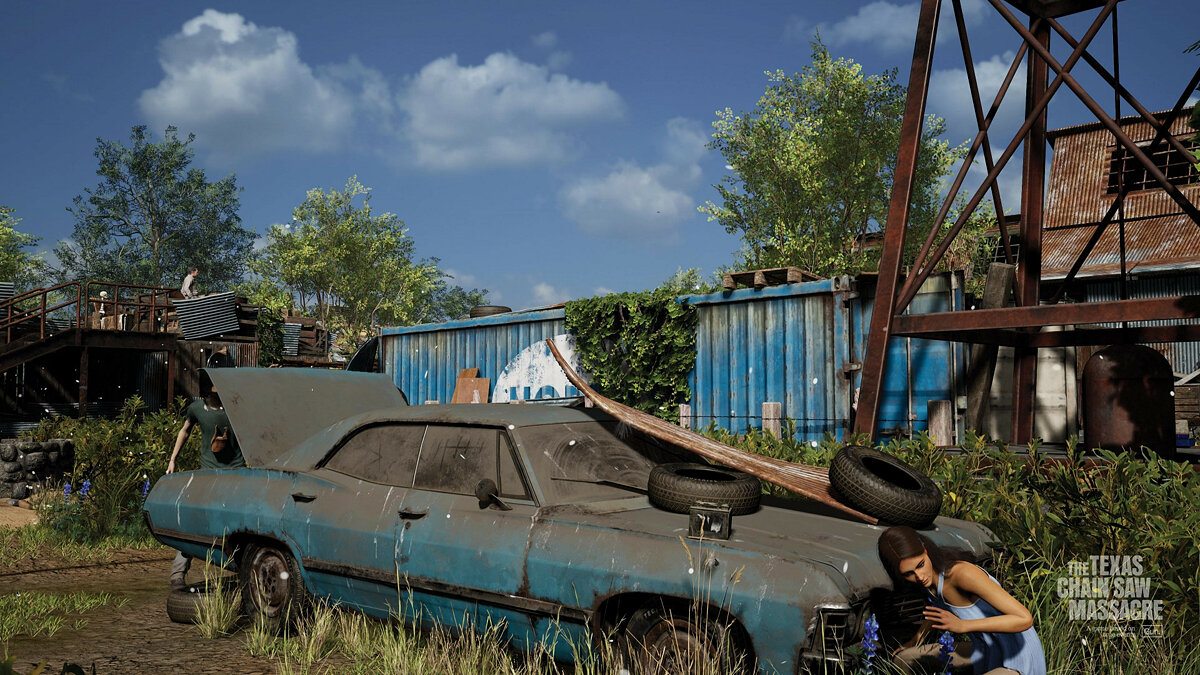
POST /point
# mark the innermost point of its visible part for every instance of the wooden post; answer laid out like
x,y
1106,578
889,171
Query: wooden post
x,y
941,422
772,418
685,415
982,366
83,382
171,376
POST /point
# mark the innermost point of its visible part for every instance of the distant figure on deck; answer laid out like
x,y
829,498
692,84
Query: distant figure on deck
x,y
189,283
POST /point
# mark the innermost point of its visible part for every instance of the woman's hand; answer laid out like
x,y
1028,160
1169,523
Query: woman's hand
x,y
944,620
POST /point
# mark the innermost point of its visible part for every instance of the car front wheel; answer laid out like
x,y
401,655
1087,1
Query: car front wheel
x,y
273,592
664,638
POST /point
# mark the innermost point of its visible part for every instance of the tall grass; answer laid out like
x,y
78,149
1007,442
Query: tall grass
x,y
1047,513
35,614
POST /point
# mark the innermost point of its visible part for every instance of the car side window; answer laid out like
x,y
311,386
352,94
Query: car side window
x,y
385,454
454,459
511,484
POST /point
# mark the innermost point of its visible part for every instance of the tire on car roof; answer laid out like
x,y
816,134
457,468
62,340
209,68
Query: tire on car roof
x,y
680,486
883,486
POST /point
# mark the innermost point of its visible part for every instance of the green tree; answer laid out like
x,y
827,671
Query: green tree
x,y
18,265
353,269
152,216
813,166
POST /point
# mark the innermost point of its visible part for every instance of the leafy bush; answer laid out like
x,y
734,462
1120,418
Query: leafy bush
x,y
116,462
638,347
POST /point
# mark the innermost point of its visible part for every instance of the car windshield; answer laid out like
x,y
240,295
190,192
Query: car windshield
x,y
581,460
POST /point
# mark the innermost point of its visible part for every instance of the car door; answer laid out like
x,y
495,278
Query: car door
x,y
463,560
344,516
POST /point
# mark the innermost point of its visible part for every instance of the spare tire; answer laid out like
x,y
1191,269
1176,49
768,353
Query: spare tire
x,y
881,485
183,604
678,487
488,310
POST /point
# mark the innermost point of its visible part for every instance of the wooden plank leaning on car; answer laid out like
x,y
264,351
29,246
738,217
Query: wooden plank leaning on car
x,y
810,481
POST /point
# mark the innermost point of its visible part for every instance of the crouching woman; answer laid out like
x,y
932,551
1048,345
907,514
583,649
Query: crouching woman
x,y
963,599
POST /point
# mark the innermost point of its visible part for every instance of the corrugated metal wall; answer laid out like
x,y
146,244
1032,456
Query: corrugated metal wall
x,y
801,345
1184,356
785,344
424,360
797,344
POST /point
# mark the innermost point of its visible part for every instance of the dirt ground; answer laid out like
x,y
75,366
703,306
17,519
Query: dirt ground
x,y
136,638
13,516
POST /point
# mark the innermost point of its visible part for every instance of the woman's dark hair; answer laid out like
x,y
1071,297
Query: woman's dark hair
x,y
900,542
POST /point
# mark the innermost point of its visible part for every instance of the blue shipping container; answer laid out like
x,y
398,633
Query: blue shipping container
x,y
797,344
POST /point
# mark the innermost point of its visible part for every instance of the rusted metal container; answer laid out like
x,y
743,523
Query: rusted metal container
x,y
1128,400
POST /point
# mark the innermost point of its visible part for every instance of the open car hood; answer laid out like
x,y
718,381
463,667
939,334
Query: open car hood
x,y
273,409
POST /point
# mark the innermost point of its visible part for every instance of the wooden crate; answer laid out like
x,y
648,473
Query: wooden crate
x,y
1187,403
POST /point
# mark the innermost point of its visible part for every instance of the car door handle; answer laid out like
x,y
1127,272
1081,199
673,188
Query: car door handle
x,y
409,514
301,497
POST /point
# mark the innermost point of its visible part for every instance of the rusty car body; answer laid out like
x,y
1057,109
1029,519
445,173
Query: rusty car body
x,y
376,502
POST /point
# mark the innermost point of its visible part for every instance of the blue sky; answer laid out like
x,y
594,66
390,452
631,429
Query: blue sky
x,y
543,150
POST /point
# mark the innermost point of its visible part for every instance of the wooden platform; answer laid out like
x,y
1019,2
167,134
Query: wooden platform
x,y
759,279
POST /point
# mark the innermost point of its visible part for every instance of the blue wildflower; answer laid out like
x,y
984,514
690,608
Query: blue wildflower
x,y
145,490
84,489
66,490
870,642
946,651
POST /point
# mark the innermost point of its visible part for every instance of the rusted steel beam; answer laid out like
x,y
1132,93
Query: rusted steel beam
x,y
1066,338
973,83
1112,209
83,381
1108,122
1146,309
922,271
808,481
875,358
1033,202
1114,336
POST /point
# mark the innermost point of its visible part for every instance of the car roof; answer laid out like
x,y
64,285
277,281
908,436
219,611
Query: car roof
x,y
496,414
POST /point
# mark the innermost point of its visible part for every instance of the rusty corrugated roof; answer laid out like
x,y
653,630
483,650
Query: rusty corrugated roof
x,y
1158,236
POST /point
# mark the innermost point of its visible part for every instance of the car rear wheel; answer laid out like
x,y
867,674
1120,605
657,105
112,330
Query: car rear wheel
x,y
678,487
885,487
273,592
665,638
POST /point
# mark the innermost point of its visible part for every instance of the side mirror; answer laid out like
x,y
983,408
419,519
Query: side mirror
x,y
488,494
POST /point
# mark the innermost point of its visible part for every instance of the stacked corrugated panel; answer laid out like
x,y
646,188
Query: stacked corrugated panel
x,y
7,289
291,339
210,315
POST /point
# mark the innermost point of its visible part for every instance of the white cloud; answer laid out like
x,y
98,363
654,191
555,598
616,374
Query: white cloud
x,y
503,112
559,60
547,40
886,25
642,201
950,97
602,290
545,294
244,89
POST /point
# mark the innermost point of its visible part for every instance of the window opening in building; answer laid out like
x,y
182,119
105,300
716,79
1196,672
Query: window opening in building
x,y
1125,168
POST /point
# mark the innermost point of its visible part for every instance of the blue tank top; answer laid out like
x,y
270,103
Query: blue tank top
x,y
1021,652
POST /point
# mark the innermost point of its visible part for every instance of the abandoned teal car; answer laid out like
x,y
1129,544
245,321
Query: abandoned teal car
x,y
532,517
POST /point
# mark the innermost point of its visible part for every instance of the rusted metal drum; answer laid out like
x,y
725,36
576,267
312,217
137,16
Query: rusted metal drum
x,y
1128,400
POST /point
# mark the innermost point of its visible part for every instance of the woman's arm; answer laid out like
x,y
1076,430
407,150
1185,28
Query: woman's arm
x,y
970,580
